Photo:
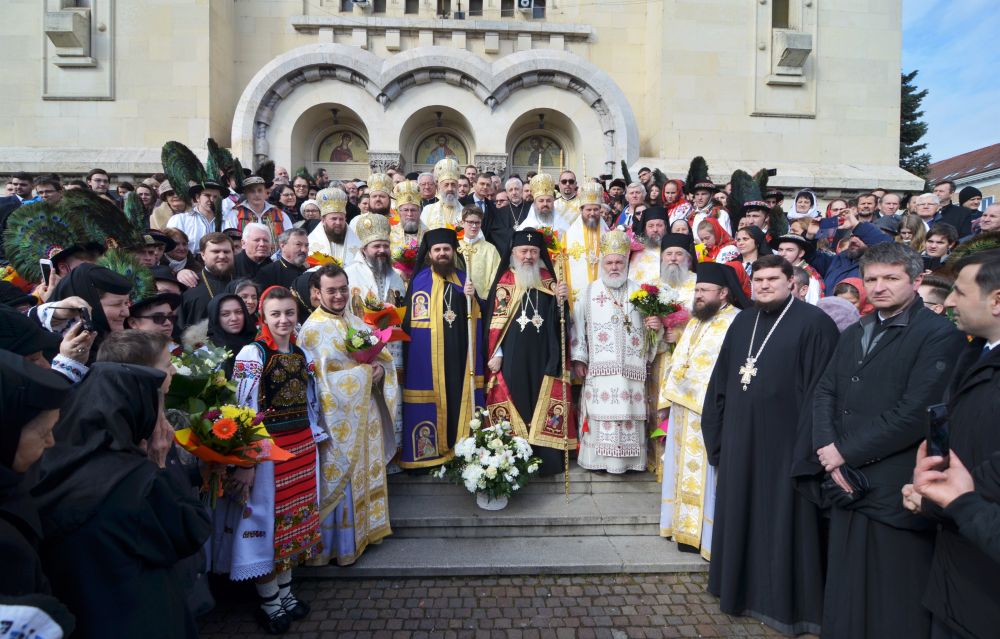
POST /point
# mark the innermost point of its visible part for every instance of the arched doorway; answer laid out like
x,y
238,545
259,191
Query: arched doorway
x,y
331,136
433,133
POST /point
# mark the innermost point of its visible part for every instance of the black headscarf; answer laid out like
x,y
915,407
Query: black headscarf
x,y
25,391
233,288
97,442
302,294
23,336
88,281
763,248
218,335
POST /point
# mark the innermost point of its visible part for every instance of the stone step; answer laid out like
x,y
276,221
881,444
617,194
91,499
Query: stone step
x,y
539,515
396,557
581,482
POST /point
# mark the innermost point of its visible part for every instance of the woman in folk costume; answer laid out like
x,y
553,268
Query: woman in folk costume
x,y
719,245
270,523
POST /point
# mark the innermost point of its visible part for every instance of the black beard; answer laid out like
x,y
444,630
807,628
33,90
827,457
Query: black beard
x,y
379,264
707,311
372,209
225,272
443,269
771,307
855,253
336,238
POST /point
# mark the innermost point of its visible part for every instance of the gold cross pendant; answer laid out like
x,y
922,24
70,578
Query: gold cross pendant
x,y
748,371
449,316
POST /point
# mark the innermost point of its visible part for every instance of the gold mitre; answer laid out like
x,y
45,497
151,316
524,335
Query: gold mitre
x,y
591,193
406,192
542,184
332,200
379,182
372,227
615,243
446,169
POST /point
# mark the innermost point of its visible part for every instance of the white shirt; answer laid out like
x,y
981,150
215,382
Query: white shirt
x,y
194,225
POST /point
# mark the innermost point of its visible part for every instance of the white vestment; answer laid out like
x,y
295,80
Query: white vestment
x,y
644,266
608,335
568,210
346,253
531,220
437,215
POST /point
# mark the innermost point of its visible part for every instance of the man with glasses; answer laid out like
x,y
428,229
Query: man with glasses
x,y
568,204
934,290
157,314
100,182
48,189
482,191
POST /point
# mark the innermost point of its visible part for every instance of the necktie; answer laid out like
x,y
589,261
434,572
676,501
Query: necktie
x,y
482,205
985,353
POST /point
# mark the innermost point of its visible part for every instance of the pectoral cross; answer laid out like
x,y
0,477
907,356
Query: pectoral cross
x,y
523,319
748,371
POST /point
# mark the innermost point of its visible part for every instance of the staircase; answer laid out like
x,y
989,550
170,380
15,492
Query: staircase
x,y
609,525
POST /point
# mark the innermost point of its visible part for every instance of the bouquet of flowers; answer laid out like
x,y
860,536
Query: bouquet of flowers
x,y
228,435
551,238
650,301
404,257
492,460
381,316
316,258
200,381
364,345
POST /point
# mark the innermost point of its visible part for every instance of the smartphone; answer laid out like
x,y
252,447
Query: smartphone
x,y
938,432
46,265
88,324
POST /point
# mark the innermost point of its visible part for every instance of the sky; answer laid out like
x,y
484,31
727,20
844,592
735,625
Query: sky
x,y
955,44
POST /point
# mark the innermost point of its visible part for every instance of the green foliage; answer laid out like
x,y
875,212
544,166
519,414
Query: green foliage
x,y
911,128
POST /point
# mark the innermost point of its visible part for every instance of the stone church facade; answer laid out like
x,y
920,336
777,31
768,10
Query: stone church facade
x,y
809,87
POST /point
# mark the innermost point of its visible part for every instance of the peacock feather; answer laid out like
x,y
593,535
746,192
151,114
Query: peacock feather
x,y
742,190
134,212
125,264
182,167
761,177
219,164
697,172
985,241
659,178
99,219
33,233
625,174
266,171
304,172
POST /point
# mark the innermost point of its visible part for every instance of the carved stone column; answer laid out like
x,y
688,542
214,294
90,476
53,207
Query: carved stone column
x,y
495,162
382,161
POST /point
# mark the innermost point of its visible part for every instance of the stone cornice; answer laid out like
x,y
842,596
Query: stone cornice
x,y
312,24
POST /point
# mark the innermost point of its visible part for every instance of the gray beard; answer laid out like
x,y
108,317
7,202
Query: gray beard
x,y
614,281
652,243
525,276
378,264
411,226
545,218
673,275
449,200
591,223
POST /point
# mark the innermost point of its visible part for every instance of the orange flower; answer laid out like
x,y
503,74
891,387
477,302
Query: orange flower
x,y
225,428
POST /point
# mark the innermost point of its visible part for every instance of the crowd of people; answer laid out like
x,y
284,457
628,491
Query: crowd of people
x,y
782,401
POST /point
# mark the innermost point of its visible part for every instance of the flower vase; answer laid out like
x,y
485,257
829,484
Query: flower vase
x,y
485,502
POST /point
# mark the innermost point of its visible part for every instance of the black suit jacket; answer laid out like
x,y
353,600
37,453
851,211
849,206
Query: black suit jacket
x,y
959,217
489,216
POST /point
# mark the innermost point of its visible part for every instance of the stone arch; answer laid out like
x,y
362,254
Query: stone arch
x,y
386,80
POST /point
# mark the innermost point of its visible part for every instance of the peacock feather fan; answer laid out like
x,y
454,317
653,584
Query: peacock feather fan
x,y
182,167
32,233
134,212
125,264
985,241
625,174
98,219
697,172
304,172
659,178
742,190
219,164
761,177
266,171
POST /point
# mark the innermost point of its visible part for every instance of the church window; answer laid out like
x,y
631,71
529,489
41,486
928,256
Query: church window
x,y
347,5
412,7
444,8
780,14
378,6
538,10
506,8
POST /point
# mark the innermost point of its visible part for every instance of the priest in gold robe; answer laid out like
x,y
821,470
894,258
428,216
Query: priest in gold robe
x,y
583,240
332,236
447,211
688,504
356,404
644,265
410,230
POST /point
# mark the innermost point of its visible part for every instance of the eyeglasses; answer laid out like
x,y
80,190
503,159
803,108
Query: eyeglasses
x,y
160,318
567,181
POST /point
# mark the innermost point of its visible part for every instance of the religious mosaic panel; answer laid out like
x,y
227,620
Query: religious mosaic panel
x,y
531,148
343,146
438,146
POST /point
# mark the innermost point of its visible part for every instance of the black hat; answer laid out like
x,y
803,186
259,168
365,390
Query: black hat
x,y
802,242
25,390
528,237
106,280
195,189
152,237
888,224
619,183
443,235
675,240
775,193
22,335
705,185
967,194
13,296
173,299
233,234
723,275
654,213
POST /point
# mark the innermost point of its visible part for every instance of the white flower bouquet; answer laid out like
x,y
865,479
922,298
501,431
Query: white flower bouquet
x,y
492,461
200,381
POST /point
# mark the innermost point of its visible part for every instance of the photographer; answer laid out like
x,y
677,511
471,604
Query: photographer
x,y
963,592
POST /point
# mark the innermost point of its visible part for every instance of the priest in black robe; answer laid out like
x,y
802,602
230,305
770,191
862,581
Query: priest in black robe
x,y
291,262
212,280
767,552
526,360
439,394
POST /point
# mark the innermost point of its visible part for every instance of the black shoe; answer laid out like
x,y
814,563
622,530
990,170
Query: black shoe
x,y
276,623
295,609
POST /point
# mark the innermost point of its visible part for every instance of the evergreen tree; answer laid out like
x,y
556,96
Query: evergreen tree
x,y
912,128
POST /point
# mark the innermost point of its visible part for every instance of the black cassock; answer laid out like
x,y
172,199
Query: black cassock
x,y
278,273
529,356
194,304
767,551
